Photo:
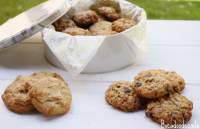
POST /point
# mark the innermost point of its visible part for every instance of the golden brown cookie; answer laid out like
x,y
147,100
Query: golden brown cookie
x,y
121,95
40,75
177,81
76,31
172,109
108,13
85,18
63,23
107,3
16,96
102,28
154,84
122,24
51,96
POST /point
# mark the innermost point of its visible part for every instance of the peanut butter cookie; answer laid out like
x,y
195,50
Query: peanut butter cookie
x,y
121,95
16,96
51,96
102,28
172,109
76,31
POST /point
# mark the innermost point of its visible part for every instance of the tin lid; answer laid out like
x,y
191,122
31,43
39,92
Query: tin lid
x,y
32,21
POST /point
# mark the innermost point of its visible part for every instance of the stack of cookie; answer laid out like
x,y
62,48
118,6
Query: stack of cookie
x,y
156,91
46,92
104,18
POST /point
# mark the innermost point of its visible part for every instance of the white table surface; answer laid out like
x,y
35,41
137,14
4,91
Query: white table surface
x,y
174,45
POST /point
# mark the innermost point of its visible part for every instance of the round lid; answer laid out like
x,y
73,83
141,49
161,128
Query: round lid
x,y
32,21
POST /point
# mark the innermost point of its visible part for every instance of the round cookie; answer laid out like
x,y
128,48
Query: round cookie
x,y
102,28
153,84
16,96
172,109
122,24
121,95
63,23
76,31
51,96
108,13
85,18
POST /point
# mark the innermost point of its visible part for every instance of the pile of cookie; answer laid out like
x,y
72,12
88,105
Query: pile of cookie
x,y
44,92
156,91
103,19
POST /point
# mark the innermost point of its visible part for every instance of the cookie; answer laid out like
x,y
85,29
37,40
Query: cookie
x,y
76,31
107,3
63,23
122,24
16,96
121,95
51,96
108,13
40,75
102,28
177,81
154,84
85,18
172,109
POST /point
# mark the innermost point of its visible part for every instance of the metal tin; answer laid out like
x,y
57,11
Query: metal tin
x,y
32,21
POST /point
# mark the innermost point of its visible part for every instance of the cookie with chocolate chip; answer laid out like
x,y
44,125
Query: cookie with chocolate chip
x,y
170,110
121,95
154,84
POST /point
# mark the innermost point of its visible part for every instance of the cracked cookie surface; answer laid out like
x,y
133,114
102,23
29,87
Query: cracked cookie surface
x,y
153,84
102,28
108,13
63,23
39,75
122,24
16,96
51,96
76,31
121,95
85,18
172,109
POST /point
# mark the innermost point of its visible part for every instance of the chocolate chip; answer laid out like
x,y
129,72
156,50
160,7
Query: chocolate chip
x,y
138,84
127,90
23,91
149,114
118,86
